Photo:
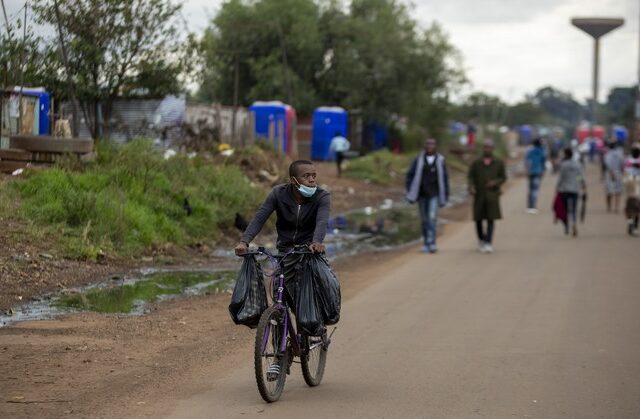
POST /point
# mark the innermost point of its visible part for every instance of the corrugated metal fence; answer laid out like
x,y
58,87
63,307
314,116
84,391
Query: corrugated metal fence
x,y
170,122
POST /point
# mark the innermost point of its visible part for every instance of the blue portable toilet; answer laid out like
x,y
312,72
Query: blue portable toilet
x,y
327,121
376,136
43,106
274,114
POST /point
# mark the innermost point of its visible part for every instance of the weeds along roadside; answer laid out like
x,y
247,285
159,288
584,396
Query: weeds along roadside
x,y
129,200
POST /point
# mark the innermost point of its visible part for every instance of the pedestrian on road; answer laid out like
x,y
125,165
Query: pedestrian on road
x,y
339,145
614,167
427,184
632,186
486,176
535,161
570,184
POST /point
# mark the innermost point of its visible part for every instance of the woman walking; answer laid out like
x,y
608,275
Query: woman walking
x,y
570,184
632,185
614,164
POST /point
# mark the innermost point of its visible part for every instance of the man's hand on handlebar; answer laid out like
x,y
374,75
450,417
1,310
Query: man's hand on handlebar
x,y
317,248
241,248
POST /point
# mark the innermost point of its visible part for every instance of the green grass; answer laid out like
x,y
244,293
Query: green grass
x,y
381,167
131,200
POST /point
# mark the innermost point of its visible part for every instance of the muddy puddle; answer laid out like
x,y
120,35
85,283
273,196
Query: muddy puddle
x,y
386,226
126,295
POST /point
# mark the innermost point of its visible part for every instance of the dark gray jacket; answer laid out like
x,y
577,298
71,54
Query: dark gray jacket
x,y
570,177
296,224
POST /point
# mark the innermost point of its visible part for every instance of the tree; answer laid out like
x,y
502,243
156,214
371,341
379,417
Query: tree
x,y
620,105
264,50
382,62
526,113
114,48
483,108
371,56
560,105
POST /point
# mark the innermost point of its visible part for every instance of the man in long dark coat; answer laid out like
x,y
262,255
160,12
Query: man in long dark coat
x,y
486,176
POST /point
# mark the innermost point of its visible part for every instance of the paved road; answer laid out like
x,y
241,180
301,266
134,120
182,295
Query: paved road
x,y
548,326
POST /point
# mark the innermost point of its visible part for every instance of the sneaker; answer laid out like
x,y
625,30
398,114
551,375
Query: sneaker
x,y
425,249
574,231
531,211
273,372
488,248
481,246
433,249
631,228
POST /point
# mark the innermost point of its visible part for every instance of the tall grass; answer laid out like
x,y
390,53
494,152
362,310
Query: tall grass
x,y
381,167
131,199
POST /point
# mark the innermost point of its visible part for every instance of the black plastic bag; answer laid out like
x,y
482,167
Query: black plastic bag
x,y
249,299
308,313
327,289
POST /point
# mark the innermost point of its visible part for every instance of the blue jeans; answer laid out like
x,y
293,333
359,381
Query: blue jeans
x,y
429,216
571,204
534,187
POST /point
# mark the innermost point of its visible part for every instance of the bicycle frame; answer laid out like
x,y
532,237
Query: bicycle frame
x,y
278,276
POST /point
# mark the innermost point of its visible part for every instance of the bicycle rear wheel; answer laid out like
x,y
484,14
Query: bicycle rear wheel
x,y
270,361
314,359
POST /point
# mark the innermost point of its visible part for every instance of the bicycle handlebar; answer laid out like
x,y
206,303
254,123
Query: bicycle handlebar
x,y
300,250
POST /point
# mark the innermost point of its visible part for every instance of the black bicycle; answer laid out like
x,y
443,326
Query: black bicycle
x,y
278,342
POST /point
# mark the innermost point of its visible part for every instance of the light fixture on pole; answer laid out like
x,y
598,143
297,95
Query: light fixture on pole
x,y
596,28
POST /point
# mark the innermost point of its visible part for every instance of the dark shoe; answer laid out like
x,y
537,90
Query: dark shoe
x,y
575,231
273,372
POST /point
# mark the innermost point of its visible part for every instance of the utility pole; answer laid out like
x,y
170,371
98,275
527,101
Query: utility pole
x,y
24,40
72,92
6,19
236,88
285,66
637,127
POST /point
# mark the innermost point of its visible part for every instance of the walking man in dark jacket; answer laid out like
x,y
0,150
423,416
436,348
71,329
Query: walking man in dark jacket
x,y
428,184
486,176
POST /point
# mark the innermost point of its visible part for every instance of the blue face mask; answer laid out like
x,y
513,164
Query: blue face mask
x,y
306,191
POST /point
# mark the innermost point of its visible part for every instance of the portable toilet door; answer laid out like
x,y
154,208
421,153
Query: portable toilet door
x,y
271,123
327,121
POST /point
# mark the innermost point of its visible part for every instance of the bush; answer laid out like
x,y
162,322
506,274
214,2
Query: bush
x,y
381,167
131,199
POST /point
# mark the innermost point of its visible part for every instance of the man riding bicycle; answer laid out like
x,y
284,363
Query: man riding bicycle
x,y
302,211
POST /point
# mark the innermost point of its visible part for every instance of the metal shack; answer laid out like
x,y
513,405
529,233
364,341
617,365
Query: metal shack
x,y
275,122
327,122
35,105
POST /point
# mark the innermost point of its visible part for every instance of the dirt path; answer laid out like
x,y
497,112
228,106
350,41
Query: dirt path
x,y
544,327
94,365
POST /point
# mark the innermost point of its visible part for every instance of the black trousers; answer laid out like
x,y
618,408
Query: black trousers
x,y
293,266
339,160
485,235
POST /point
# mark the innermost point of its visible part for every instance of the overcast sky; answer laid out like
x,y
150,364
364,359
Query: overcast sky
x,y
513,47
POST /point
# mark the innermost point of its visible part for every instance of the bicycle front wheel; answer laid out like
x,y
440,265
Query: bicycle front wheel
x,y
271,361
315,358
